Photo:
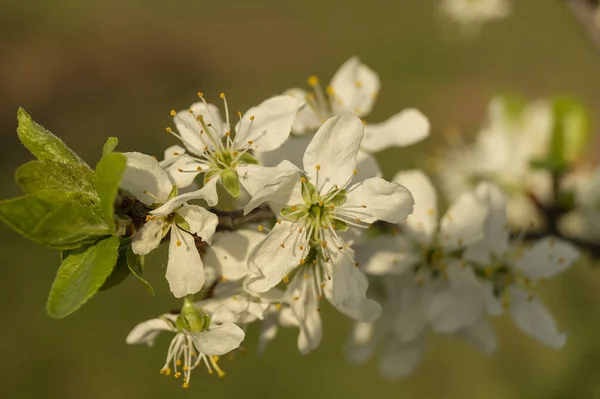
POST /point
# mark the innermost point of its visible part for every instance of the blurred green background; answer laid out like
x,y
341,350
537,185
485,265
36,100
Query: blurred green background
x,y
88,70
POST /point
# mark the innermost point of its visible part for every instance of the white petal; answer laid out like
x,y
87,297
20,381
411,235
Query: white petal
x,y
268,183
144,174
307,121
189,127
387,254
398,360
183,170
147,331
148,238
268,330
362,342
306,310
334,149
547,257
207,193
185,271
377,199
171,155
230,251
292,150
480,335
355,88
532,317
273,119
219,340
349,291
423,221
366,166
202,222
401,130
277,255
462,225
413,300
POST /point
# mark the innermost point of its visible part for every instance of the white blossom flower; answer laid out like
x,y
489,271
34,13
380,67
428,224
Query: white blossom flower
x,y
508,271
472,14
150,184
212,149
323,203
199,339
353,89
502,153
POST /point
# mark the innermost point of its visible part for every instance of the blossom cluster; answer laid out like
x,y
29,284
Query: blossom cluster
x,y
380,252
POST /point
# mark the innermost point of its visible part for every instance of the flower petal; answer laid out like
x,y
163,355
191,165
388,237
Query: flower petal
x,y
548,257
362,342
266,126
147,331
189,127
202,222
532,317
277,255
207,193
480,335
423,221
377,199
462,225
401,130
185,271
292,150
305,306
355,88
387,254
148,238
330,158
366,166
219,340
229,252
268,330
398,359
142,175
307,121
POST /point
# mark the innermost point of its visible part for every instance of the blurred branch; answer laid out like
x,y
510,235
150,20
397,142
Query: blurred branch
x,y
583,11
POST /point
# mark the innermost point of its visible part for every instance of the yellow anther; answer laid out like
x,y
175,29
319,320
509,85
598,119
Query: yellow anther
x,y
175,153
282,245
200,94
168,129
205,148
234,298
179,170
323,285
303,179
318,167
296,298
250,142
364,121
354,172
186,385
178,243
191,111
198,168
260,227
185,368
222,95
178,362
252,118
302,261
306,275
227,134
329,90
166,371
301,247
294,207
324,244
286,279
148,218
431,211
173,112
356,264
278,306
235,153
320,203
364,206
223,279
239,114
299,229
177,374
313,81
358,84
357,220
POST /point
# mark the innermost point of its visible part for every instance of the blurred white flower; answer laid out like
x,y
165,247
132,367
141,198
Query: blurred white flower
x,y
353,89
472,14
150,184
502,153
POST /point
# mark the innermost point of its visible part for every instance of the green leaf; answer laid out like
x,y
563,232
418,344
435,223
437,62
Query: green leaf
x,y
55,218
136,266
231,182
107,180
110,145
81,275
42,143
50,175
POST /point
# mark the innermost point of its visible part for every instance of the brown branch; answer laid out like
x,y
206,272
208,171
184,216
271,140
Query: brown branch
x,y
583,11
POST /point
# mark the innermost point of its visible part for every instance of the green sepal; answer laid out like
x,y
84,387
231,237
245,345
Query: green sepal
x,y
136,266
42,143
174,191
120,272
310,194
339,199
181,222
55,218
339,225
248,159
231,182
285,212
50,175
107,180
110,145
190,318
81,275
